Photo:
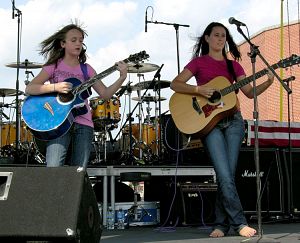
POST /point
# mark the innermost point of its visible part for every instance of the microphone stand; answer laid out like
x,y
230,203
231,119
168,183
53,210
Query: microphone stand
x,y
18,14
176,27
254,51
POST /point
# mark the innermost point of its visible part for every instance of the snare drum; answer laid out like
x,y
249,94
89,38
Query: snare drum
x,y
8,133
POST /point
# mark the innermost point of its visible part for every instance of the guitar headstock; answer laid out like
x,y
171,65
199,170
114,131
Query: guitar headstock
x,y
287,62
137,57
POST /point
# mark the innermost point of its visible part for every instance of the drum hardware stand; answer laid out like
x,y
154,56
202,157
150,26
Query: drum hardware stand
x,y
2,114
129,116
101,139
254,51
130,157
139,115
38,156
158,124
129,119
18,113
157,128
27,75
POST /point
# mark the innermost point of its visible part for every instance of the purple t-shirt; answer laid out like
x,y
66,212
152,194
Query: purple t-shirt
x,y
205,68
64,71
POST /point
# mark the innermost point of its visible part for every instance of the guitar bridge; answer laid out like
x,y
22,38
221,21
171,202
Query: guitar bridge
x,y
196,106
48,107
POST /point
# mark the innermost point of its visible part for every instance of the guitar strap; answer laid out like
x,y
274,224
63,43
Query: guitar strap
x,y
84,70
231,71
83,67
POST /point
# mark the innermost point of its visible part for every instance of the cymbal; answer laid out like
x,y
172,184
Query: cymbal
x,y
24,65
9,92
149,98
141,67
152,85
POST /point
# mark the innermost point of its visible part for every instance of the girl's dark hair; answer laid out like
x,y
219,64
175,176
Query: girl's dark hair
x,y
201,47
51,47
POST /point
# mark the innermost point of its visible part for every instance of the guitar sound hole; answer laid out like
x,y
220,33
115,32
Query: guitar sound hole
x,y
216,96
65,97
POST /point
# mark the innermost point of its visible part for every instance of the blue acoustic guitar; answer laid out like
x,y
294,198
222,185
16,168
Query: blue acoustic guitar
x,y
51,115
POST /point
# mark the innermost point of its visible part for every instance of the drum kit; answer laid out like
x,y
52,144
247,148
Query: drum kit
x,y
9,151
139,142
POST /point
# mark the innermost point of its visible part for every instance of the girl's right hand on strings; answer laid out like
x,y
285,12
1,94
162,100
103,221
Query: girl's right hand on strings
x,y
63,87
207,92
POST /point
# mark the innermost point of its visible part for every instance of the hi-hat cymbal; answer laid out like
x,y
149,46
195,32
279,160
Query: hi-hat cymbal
x,y
9,92
149,98
153,85
24,65
141,67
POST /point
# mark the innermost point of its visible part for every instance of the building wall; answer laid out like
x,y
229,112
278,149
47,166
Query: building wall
x,y
269,47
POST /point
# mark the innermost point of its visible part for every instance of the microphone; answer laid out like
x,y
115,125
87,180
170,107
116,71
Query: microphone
x,y
123,89
146,21
13,9
232,20
292,78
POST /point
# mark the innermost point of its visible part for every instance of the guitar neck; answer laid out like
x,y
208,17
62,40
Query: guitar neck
x,y
84,86
93,80
245,81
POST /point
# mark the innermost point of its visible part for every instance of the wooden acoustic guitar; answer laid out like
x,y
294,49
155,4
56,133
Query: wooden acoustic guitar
x,y
195,114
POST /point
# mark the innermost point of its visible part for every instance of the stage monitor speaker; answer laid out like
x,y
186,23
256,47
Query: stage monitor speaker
x,y
40,203
272,198
293,178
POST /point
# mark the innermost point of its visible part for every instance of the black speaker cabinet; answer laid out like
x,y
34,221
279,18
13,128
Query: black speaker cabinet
x,y
56,204
291,159
272,185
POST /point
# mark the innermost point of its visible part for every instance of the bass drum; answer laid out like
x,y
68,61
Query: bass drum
x,y
148,137
8,134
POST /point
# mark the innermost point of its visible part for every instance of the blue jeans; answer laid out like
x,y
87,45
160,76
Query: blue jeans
x,y
80,138
223,144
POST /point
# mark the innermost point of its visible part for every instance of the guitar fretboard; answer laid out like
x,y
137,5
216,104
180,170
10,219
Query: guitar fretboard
x,y
245,81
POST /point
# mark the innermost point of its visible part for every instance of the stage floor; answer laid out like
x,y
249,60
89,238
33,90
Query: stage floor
x,y
274,232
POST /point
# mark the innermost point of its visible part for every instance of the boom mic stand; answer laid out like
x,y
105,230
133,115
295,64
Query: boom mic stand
x,y
254,51
18,14
176,27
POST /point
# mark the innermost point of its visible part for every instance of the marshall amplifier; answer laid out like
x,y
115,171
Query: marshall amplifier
x,y
271,180
291,160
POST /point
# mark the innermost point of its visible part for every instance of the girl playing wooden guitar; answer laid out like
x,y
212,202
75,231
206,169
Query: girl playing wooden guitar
x,y
224,139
